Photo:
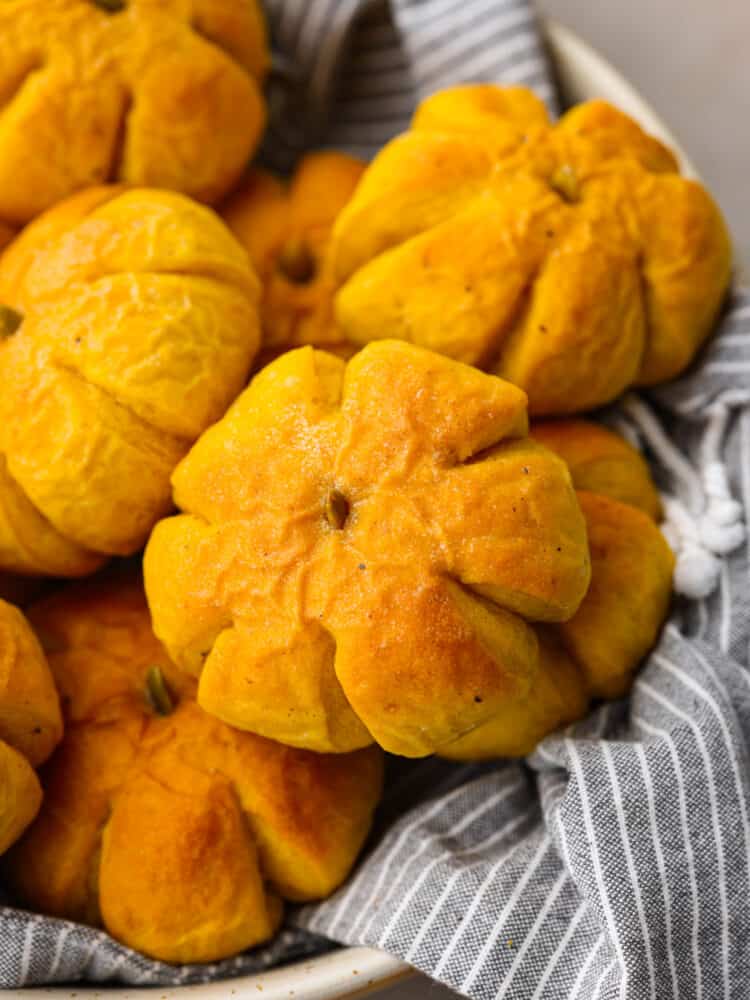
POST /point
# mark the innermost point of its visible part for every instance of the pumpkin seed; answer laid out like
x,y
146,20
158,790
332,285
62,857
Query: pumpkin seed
x,y
110,6
10,320
565,182
296,262
157,692
337,509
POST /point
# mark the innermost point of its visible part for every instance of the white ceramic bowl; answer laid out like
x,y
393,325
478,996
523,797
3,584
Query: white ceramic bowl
x,y
351,972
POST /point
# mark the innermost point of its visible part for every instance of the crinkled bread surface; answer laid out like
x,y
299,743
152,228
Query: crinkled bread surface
x,y
129,321
30,722
594,653
178,834
572,259
159,93
286,229
363,550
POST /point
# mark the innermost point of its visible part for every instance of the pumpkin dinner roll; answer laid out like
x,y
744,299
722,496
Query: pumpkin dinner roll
x,y
178,834
594,653
160,93
30,722
286,230
129,323
571,259
363,549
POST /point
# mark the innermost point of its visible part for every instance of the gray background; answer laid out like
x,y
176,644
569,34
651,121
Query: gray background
x,y
690,60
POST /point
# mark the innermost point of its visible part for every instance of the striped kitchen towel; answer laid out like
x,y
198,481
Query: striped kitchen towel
x,y
349,73
615,861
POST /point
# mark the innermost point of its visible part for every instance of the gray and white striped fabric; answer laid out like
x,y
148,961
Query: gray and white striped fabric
x,y
348,73
614,862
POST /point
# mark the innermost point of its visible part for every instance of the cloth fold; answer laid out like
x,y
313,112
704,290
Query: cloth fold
x,y
349,73
614,862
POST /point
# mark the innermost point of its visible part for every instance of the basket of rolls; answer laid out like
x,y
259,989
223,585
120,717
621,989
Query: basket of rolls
x,y
303,477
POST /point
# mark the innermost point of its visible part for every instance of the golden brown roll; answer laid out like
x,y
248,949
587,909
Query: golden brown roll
x,y
30,722
594,653
362,550
162,93
128,323
286,229
178,834
572,259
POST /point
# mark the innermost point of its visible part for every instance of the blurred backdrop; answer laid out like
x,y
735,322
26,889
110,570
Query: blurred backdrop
x,y
691,60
